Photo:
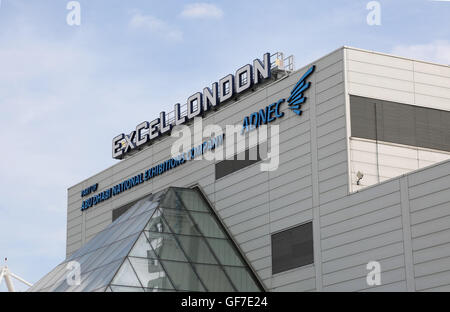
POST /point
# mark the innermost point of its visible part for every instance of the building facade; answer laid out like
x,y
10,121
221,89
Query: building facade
x,y
363,175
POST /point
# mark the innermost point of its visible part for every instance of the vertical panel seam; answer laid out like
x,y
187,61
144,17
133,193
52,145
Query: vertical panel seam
x,y
407,240
315,190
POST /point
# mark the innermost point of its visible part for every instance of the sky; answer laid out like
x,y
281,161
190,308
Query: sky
x,y
67,90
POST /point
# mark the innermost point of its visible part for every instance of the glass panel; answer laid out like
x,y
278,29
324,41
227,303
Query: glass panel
x,y
182,276
142,248
117,231
126,276
99,278
145,206
157,223
196,249
108,289
87,266
207,224
213,277
180,222
158,290
225,252
94,243
124,248
192,200
47,280
151,273
58,278
136,225
126,289
111,253
165,246
242,279
170,200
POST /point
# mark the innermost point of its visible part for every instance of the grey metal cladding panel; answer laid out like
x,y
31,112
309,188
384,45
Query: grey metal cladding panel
x,y
291,215
360,271
357,209
358,284
430,227
428,214
255,244
355,222
242,196
379,191
432,281
301,286
340,240
289,175
329,128
393,287
249,224
333,136
434,252
430,240
226,211
429,200
363,245
248,216
324,73
252,233
331,115
292,276
333,184
362,258
432,267
337,170
330,93
440,183
292,198
332,149
332,160
333,194
330,104
429,173
328,83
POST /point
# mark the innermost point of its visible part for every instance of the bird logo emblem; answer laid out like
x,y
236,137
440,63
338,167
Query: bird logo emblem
x,y
296,99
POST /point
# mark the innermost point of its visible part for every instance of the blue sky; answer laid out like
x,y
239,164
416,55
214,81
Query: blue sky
x,y
66,91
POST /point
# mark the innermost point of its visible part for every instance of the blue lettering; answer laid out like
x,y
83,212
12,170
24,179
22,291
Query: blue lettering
x,y
277,109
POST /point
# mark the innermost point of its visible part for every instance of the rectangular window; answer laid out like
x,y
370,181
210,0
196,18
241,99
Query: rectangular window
x,y
400,123
292,248
116,213
228,166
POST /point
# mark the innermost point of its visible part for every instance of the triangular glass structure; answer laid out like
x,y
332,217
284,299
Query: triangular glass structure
x,y
169,241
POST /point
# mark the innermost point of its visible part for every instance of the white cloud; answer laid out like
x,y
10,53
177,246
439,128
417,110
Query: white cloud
x,y
201,10
437,51
156,26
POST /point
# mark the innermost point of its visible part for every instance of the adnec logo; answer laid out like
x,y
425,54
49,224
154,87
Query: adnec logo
x,y
273,111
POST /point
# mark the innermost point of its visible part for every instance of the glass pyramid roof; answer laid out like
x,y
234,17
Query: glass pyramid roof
x,y
169,241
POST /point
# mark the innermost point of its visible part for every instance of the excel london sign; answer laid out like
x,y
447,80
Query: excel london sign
x,y
146,131
197,104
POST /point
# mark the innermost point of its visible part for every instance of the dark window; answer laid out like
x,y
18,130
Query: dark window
x,y
116,213
400,123
228,166
292,248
